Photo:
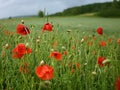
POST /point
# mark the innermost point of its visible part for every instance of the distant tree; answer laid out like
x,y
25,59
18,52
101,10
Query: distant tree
x,y
40,14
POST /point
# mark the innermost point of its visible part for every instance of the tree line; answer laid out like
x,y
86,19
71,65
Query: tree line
x,y
106,9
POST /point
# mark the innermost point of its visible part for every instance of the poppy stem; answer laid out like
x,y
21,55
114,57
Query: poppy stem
x,y
47,17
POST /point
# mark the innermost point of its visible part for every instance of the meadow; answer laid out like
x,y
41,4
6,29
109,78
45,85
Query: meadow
x,y
79,57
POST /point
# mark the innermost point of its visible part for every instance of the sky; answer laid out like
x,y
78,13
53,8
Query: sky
x,y
11,8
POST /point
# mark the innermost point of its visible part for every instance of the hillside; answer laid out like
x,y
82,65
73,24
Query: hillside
x,y
102,9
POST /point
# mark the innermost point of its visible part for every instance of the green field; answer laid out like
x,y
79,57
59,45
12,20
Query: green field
x,y
76,39
74,22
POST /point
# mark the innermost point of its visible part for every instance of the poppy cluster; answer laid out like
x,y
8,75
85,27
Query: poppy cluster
x,y
22,29
44,72
20,50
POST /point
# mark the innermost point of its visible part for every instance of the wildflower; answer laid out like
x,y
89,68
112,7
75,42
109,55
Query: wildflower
x,y
100,61
68,31
100,31
22,21
28,50
73,47
7,32
102,43
56,55
45,72
22,29
90,43
37,40
82,40
7,46
106,61
24,68
85,38
20,50
65,52
47,27
74,66
55,44
118,40
94,52
42,63
110,40
94,73
117,84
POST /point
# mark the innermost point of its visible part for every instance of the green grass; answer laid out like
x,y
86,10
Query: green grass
x,y
82,79
75,22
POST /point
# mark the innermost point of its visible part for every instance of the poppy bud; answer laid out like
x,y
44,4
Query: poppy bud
x,y
42,63
22,21
27,44
107,61
82,40
37,40
94,73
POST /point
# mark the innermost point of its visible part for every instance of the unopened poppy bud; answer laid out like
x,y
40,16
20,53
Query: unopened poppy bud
x,y
52,50
27,44
82,40
83,32
20,37
37,40
42,63
106,61
7,46
94,73
45,84
63,48
22,21
85,64
68,30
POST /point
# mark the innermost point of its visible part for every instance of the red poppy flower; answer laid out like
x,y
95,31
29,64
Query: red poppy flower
x,y
65,52
100,31
102,43
7,32
28,50
56,55
45,72
22,30
117,84
100,61
118,40
47,27
20,50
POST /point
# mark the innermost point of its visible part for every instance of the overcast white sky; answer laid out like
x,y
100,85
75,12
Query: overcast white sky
x,y
31,7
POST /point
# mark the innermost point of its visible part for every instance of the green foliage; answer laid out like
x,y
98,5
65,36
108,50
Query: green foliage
x,y
41,13
107,9
96,7
113,12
